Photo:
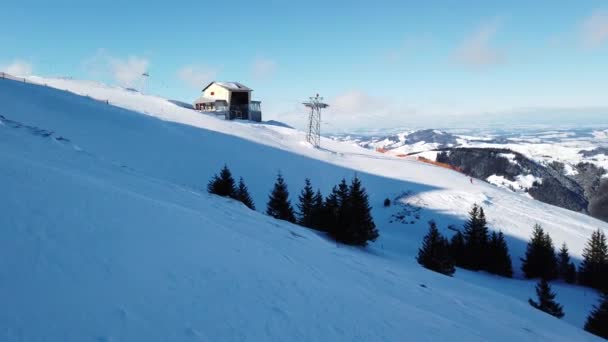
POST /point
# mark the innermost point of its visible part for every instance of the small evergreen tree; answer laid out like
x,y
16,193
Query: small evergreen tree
x,y
242,194
343,217
222,184
279,205
565,267
317,211
593,271
499,260
329,214
435,252
597,322
360,226
546,300
540,260
476,240
457,249
306,205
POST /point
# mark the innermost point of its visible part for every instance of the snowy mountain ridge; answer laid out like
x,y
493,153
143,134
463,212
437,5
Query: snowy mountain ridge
x,y
108,231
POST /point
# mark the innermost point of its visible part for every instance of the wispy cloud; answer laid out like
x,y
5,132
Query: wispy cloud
x,y
126,71
18,67
407,47
263,68
594,31
477,49
196,76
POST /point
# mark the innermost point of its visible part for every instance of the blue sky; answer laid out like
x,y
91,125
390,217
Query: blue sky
x,y
378,63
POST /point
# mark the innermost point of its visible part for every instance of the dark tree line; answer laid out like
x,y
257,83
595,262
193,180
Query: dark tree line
x,y
345,214
223,184
435,252
476,249
593,271
473,249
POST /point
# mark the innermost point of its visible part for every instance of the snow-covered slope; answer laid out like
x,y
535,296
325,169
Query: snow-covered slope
x,y
108,235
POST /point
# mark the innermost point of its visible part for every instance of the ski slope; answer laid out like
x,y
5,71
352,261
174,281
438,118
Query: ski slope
x,y
108,233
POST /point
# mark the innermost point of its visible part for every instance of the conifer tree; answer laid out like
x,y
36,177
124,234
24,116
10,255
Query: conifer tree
x,y
457,249
330,212
540,260
360,225
222,184
546,300
318,211
435,252
476,239
242,194
593,271
306,205
597,322
343,197
279,205
499,260
565,268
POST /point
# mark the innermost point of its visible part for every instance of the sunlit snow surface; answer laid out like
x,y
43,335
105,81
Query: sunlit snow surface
x,y
108,234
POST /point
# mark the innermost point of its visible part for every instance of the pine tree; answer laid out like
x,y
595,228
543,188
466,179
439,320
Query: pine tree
x,y
457,249
540,260
546,300
330,213
360,225
306,205
222,185
343,217
279,205
593,271
565,267
318,211
338,207
597,322
476,240
499,260
435,252
242,194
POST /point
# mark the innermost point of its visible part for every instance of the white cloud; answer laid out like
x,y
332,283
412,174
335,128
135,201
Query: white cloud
x,y
595,29
411,45
356,102
196,76
128,71
124,71
263,68
477,50
18,68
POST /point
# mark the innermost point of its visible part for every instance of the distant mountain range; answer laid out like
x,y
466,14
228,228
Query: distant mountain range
x,y
562,167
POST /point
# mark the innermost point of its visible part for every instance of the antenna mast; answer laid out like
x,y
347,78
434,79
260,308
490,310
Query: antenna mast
x,y
313,135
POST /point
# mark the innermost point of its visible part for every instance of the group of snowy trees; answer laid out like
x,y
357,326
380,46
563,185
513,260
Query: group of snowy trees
x,y
345,214
475,248
224,185
543,262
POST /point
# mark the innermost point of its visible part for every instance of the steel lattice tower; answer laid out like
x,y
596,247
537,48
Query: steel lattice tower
x,y
313,135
